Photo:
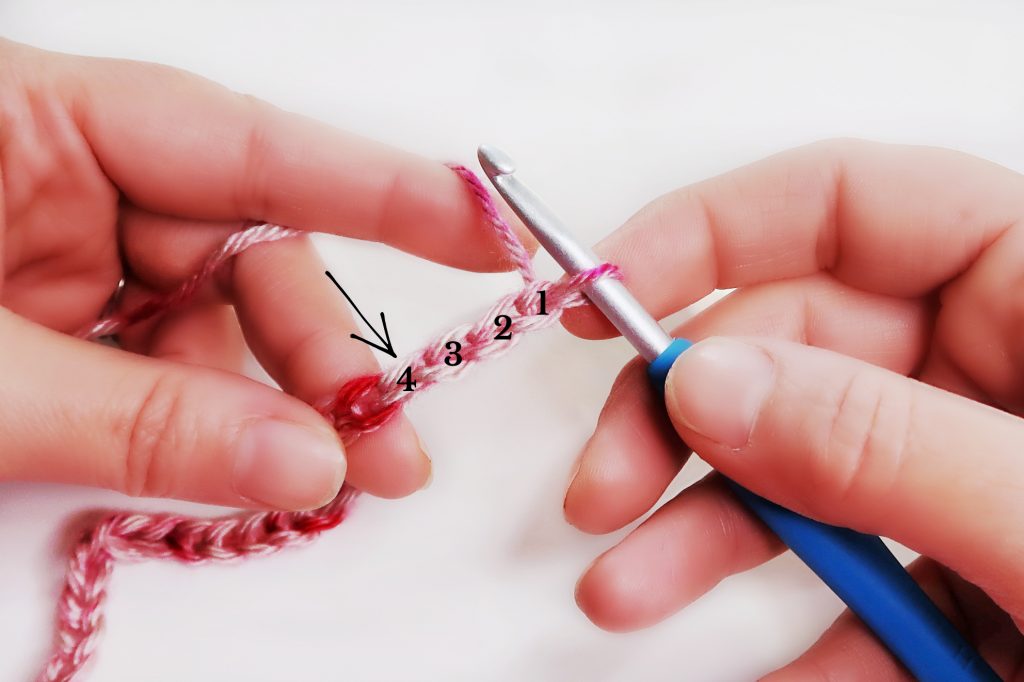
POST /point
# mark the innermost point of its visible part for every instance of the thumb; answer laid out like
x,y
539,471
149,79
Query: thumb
x,y
854,445
78,412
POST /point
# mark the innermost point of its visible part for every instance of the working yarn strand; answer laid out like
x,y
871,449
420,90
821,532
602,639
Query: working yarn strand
x,y
360,406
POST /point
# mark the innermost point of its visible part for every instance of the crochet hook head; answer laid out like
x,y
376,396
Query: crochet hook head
x,y
609,295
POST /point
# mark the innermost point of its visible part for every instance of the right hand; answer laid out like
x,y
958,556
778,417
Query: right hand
x,y
892,262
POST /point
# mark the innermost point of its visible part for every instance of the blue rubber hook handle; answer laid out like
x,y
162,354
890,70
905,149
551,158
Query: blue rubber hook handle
x,y
862,571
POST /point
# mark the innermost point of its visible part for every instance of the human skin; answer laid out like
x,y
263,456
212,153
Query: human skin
x,y
868,372
111,168
890,261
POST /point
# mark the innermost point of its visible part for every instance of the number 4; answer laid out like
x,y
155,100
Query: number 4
x,y
406,380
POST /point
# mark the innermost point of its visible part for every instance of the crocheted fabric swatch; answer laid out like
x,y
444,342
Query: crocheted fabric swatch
x,y
360,406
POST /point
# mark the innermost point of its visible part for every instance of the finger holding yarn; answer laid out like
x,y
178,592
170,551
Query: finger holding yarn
x,y
361,405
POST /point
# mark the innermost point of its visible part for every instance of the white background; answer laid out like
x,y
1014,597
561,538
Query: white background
x,y
605,106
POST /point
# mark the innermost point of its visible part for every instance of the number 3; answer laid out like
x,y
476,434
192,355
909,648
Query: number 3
x,y
453,359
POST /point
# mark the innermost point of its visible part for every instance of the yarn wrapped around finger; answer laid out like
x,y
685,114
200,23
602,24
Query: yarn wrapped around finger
x,y
361,405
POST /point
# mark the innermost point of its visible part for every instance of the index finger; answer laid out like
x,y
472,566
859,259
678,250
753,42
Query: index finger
x,y
896,220
177,144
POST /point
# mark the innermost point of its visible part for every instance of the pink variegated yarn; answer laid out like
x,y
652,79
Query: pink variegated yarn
x,y
361,405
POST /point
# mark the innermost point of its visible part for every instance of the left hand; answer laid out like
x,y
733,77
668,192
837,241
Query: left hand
x,y
112,168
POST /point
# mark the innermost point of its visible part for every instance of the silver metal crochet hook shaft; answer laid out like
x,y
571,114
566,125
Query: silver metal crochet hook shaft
x,y
608,294
858,567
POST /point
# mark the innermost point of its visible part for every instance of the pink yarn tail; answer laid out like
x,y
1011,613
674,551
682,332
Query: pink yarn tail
x,y
133,537
360,406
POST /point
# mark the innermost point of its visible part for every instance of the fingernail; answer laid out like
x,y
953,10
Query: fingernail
x,y
420,444
430,463
578,463
573,475
717,387
287,466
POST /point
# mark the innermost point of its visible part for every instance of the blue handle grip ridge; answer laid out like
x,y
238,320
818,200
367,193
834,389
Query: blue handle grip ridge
x,y
862,571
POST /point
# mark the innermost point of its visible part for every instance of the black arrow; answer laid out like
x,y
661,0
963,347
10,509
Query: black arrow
x,y
386,339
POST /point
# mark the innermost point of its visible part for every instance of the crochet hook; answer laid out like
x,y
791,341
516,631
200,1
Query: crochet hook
x,y
859,568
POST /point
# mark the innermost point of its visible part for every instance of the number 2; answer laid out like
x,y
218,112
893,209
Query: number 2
x,y
505,322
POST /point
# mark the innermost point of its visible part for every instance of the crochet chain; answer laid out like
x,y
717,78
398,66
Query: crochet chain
x,y
360,406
